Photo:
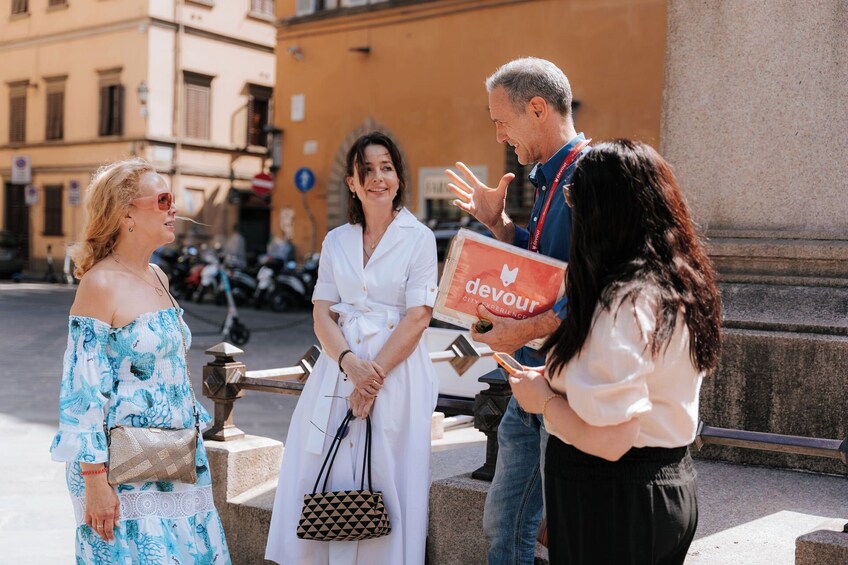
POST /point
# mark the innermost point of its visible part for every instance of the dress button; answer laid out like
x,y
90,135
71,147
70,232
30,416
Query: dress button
x,y
391,326
341,324
544,188
535,218
357,340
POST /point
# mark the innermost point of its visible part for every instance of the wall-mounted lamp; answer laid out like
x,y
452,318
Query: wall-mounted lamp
x,y
143,95
295,52
275,146
364,49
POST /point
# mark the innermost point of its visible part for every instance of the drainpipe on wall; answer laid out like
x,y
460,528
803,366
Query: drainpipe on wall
x,y
178,87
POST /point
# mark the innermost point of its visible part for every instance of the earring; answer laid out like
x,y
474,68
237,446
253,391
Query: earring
x,y
354,195
132,228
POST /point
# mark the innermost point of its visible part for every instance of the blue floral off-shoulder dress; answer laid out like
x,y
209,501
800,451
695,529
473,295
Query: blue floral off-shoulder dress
x,y
135,375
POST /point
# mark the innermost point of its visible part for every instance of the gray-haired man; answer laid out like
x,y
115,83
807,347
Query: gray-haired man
x,y
530,105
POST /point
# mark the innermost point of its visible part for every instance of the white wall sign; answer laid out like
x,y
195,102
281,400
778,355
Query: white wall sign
x,y
298,107
31,195
433,184
74,195
21,170
310,147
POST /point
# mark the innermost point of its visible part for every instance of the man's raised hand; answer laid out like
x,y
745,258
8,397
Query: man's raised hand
x,y
472,196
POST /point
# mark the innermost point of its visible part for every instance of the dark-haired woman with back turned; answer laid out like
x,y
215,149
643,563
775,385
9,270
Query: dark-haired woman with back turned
x,y
619,393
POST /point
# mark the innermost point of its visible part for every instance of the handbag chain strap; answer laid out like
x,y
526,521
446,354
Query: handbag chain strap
x,y
185,354
334,449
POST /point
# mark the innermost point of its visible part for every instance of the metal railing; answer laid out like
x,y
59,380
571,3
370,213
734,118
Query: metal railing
x,y
225,379
762,441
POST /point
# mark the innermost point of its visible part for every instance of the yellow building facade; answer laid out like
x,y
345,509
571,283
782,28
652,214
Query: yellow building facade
x,y
416,70
184,84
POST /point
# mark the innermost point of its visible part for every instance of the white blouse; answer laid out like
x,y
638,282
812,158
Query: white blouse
x,y
615,377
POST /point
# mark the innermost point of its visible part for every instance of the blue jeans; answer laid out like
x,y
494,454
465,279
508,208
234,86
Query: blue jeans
x,y
514,502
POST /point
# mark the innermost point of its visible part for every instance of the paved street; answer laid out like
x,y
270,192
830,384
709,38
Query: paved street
x,y
749,515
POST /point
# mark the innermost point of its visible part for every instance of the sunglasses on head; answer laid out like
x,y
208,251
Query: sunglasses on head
x,y
162,201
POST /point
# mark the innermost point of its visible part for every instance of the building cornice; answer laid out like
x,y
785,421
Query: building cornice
x,y
378,15
215,36
126,25
72,34
192,144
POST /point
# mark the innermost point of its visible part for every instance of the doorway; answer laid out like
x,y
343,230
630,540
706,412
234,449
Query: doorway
x,y
16,220
255,224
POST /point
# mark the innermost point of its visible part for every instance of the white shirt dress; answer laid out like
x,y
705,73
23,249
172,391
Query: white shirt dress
x,y
370,302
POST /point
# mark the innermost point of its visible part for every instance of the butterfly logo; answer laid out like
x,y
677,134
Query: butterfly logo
x,y
508,276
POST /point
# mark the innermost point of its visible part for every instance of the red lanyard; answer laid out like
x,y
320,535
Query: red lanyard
x,y
569,159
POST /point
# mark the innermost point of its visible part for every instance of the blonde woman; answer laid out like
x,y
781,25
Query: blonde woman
x,y
125,365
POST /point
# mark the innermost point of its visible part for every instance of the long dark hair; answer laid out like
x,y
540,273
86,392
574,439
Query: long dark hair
x,y
356,162
631,229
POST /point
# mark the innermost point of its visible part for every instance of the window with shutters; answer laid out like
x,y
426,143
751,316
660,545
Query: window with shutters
x,y
308,7
262,7
17,112
53,210
111,120
258,115
20,6
55,109
198,105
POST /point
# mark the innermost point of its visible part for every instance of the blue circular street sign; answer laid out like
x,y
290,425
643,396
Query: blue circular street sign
x,y
304,179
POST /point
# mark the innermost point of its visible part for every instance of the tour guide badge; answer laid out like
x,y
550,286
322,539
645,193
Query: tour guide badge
x,y
505,279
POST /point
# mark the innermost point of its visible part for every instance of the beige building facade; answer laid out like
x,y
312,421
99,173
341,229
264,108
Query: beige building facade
x,y
416,70
185,84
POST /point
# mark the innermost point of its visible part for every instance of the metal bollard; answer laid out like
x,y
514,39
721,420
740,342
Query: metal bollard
x,y
221,384
489,408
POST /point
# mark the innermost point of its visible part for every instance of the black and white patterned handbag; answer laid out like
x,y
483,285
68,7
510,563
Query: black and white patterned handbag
x,y
349,515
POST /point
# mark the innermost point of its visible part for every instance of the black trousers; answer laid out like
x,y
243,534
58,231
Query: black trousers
x,y
641,509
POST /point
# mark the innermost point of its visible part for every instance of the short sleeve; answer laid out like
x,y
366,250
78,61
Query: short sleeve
x,y
607,384
87,378
561,308
325,288
421,287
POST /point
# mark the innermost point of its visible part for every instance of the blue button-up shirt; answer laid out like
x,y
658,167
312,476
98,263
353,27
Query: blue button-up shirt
x,y
556,233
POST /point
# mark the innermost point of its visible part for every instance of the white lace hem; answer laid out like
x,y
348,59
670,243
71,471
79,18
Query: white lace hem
x,y
154,504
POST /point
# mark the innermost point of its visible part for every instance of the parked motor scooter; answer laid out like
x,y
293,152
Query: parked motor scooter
x,y
242,284
265,286
293,287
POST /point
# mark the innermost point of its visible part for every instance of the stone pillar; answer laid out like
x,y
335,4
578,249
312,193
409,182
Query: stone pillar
x,y
755,125
244,481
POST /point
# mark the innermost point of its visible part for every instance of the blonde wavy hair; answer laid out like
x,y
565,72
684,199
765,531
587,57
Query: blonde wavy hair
x,y
106,202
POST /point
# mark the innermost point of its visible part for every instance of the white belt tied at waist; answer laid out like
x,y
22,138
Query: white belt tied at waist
x,y
356,323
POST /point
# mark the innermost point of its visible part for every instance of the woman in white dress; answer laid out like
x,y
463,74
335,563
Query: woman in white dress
x,y
373,300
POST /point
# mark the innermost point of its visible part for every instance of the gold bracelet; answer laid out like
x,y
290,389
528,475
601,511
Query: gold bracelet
x,y
548,399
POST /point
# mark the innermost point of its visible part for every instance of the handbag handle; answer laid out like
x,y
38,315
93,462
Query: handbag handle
x,y
185,354
330,458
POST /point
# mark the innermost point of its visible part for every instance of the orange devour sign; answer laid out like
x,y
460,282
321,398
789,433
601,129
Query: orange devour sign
x,y
505,279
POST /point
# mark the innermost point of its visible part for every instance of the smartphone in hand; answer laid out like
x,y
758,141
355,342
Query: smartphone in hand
x,y
509,363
